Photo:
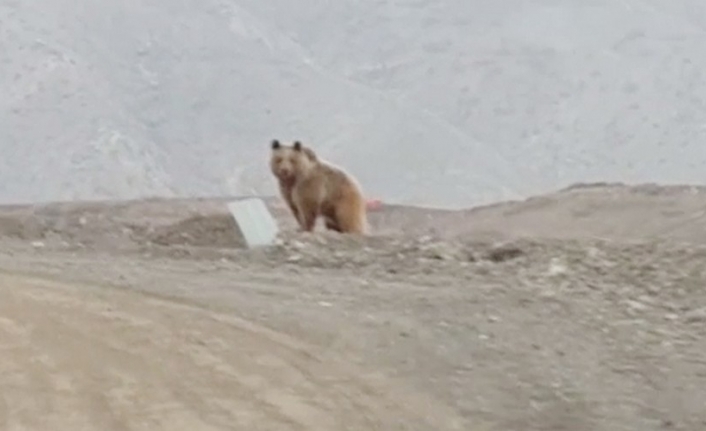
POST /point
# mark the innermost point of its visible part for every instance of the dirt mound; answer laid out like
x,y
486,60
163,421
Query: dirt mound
x,y
215,230
652,189
386,253
22,227
614,212
583,211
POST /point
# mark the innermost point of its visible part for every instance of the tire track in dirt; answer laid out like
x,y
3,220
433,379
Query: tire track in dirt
x,y
81,358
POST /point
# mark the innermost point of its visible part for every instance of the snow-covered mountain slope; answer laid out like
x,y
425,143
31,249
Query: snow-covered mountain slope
x,y
444,102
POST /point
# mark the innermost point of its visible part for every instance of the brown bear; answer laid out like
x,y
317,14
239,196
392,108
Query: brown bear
x,y
312,188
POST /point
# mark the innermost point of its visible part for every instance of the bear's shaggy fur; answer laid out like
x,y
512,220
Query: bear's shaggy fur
x,y
312,188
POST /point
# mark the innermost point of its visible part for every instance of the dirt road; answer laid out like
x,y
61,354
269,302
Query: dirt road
x,y
79,358
112,321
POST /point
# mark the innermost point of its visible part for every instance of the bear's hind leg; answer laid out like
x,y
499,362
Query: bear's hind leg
x,y
330,219
351,216
332,224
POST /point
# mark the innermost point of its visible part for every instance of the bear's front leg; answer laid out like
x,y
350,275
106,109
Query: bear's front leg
x,y
307,219
293,208
300,221
307,208
307,212
285,191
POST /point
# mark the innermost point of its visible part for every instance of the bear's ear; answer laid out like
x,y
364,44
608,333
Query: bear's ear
x,y
275,144
297,146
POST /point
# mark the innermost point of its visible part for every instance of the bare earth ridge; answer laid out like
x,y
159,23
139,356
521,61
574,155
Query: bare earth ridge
x,y
580,310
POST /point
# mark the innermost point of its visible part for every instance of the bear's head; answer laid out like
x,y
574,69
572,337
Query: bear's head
x,y
289,162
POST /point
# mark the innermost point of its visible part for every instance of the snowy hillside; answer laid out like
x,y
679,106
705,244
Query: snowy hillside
x,y
445,102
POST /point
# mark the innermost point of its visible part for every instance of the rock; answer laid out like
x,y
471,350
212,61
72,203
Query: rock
x,y
424,239
652,289
697,315
297,245
439,251
321,239
295,258
636,305
556,267
646,300
503,253
593,252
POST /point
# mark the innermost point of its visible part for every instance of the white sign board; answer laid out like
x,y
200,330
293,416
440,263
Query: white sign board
x,y
255,221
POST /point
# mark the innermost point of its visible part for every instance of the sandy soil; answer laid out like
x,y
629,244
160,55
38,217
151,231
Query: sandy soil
x,y
581,310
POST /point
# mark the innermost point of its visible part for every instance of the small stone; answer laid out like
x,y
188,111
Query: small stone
x,y
492,318
438,252
671,316
295,258
698,315
593,252
504,253
652,289
646,299
297,245
38,244
325,304
547,294
635,305
556,267
439,256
